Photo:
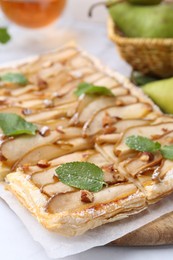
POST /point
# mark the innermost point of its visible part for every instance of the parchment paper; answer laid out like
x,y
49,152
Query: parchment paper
x,y
57,246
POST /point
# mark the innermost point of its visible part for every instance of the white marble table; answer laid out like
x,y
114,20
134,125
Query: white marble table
x,y
15,241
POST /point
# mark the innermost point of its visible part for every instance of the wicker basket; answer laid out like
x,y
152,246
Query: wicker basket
x,y
149,56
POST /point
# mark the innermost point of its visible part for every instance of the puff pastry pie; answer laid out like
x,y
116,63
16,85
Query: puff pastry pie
x,y
86,129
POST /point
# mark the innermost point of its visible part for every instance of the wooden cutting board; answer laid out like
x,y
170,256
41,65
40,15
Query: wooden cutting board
x,y
158,232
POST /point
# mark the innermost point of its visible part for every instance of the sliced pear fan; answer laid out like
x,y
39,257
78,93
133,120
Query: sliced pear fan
x,y
134,111
23,144
55,113
48,152
44,152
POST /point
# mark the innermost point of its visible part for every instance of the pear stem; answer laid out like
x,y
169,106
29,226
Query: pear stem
x,y
90,12
107,5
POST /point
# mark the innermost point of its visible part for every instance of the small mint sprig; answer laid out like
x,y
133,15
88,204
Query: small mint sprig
x,y
90,89
4,35
15,78
81,175
143,144
13,124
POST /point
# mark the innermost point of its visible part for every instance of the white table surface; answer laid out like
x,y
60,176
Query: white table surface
x,y
15,241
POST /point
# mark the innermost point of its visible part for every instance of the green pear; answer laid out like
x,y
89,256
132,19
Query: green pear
x,y
145,2
161,92
155,21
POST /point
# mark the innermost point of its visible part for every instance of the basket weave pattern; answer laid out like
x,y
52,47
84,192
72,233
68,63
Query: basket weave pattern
x,y
149,56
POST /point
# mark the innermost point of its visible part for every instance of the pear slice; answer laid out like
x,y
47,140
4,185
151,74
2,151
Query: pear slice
x,y
163,119
66,99
122,125
126,100
107,82
64,86
137,165
32,103
93,77
72,200
57,188
59,123
119,91
63,202
150,131
24,90
42,177
48,60
107,151
166,167
134,111
96,105
109,138
103,102
81,73
83,101
79,61
14,149
166,138
111,175
60,56
30,96
70,132
71,157
52,114
45,152
97,159
158,183
15,110
51,151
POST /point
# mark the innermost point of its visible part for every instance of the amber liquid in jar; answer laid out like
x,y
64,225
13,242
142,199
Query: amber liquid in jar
x,y
32,13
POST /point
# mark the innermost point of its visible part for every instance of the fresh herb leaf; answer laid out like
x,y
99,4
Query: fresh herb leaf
x,y
4,35
12,124
89,89
81,175
167,152
16,78
140,79
142,144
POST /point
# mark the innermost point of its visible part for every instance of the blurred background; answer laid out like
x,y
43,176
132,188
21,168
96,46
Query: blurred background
x,y
72,25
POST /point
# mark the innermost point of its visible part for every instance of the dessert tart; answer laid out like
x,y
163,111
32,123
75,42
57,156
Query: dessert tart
x,y
75,133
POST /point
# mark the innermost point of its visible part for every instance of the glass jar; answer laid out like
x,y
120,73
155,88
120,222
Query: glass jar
x,y
32,13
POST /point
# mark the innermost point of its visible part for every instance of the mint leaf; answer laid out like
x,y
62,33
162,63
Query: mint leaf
x,y
142,144
4,35
167,152
89,89
81,175
12,124
16,78
140,79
